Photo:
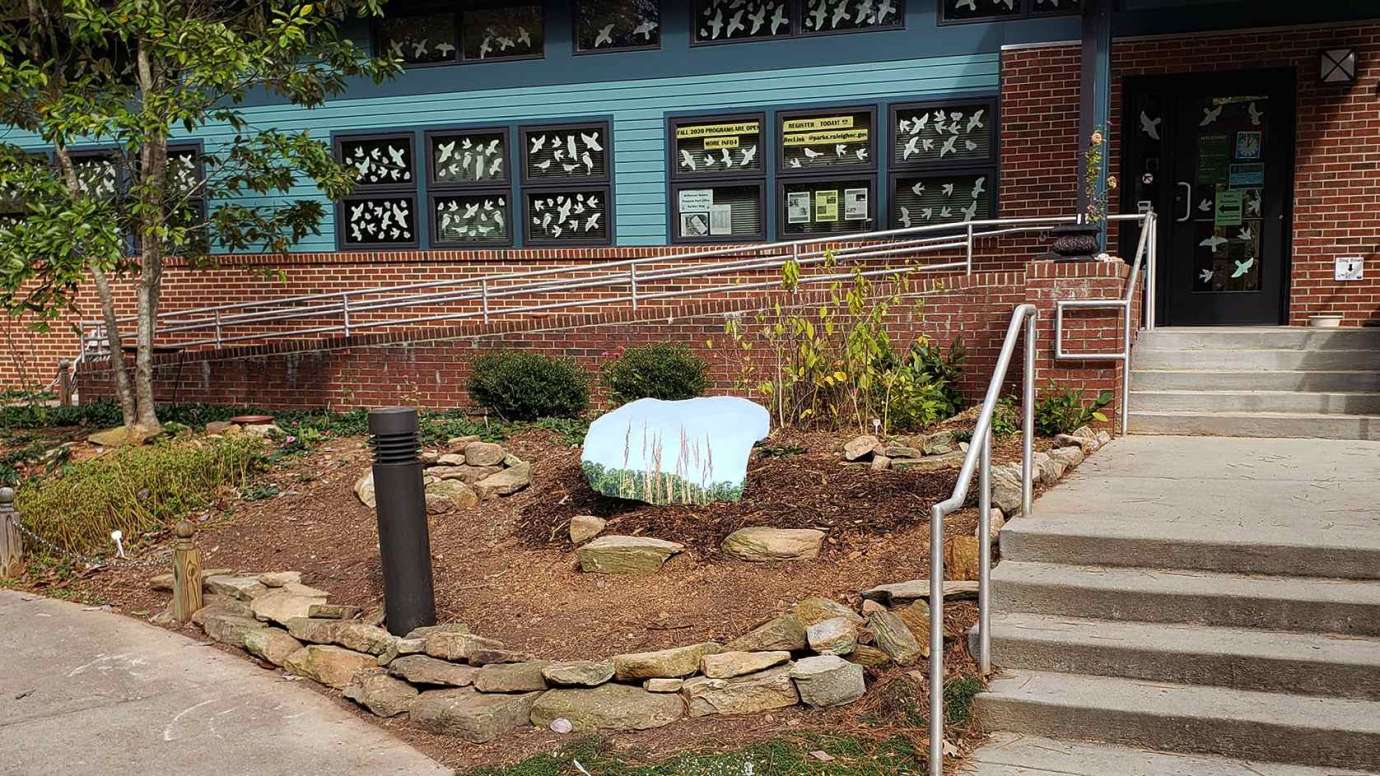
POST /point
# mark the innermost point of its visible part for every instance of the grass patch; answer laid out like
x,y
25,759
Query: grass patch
x,y
778,757
958,699
136,490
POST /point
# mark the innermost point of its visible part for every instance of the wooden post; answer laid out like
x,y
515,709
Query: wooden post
x,y
11,542
65,382
186,574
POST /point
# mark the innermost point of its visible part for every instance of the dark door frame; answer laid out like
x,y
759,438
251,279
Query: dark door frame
x,y
1132,88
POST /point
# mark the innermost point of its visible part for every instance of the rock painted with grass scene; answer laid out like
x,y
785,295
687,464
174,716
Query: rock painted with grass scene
x,y
674,452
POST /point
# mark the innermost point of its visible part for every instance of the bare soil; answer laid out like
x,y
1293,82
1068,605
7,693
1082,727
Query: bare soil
x,y
507,569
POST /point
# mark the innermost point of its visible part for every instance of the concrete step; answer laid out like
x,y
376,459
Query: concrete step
x,y
1240,658
1256,424
1311,402
1143,379
1275,727
1260,337
1232,540
1255,360
1012,754
1337,606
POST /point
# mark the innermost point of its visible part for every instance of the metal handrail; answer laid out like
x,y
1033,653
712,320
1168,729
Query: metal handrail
x,y
1146,254
979,457
628,280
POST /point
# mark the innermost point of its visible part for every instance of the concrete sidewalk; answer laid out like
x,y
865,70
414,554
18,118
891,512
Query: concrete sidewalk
x,y
94,692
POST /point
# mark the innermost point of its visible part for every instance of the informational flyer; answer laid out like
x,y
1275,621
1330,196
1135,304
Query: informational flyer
x,y
721,219
1228,208
695,200
855,204
827,205
694,224
798,207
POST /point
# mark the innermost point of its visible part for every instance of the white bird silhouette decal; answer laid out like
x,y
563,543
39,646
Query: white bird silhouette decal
x,y
591,141
524,37
757,19
903,126
564,211
716,24
926,213
446,150
795,163
749,154
884,9
839,149
1205,205
397,48
905,216
604,36
538,143
861,153
970,212
444,49
971,5
687,159
570,146
1210,115
645,29
911,148
840,13
918,189
504,43
1214,242
920,122
1253,205
1242,267
927,144
1150,126
569,167
471,211
864,11
1245,234
543,165
811,153
975,120
592,222
778,19
709,160
495,167
970,145
978,186
419,49
588,161
1256,114
727,159
817,23
560,154
948,189
556,231
484,47
735,22
945,212
948,147
1206,275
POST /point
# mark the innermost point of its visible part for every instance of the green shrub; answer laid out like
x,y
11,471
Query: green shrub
x,y
660,371
942,369
1061,411
135,490
525,386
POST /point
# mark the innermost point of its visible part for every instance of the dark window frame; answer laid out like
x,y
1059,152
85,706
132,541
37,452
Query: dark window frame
x,y
413,191
199,148
695,42
575,32
993,189
899,25
868,225
604,189
543,14
779,141
677,179
1026,11
563,126
988,102
437,189
457,12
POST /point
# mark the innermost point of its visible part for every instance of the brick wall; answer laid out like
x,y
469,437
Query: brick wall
x,y
1336,194
430,370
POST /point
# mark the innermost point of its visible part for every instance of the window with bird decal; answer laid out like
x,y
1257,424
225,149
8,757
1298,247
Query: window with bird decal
x,y
943,161
419,39
615,25
826,164
565,171
381,210
818,16
469,187
989,10
474,31
718,178
826,139
724,21
498,30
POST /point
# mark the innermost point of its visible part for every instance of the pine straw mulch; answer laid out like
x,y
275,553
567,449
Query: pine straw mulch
x,y
507,569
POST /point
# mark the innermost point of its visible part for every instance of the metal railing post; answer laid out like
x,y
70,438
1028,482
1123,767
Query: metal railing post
x,y
219,333
1028,421
632,282
985,556
345,309
1152,223
937,641
970,248
484,297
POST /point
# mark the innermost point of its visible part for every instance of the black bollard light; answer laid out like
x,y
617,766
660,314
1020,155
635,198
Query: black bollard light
x,y
404,542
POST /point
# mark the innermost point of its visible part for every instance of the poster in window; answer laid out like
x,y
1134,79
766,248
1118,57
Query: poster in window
x,y
958,132
721,219
855,204
842,139
694,224
718,147
826,205
609,25
694,200
1248,144
798,207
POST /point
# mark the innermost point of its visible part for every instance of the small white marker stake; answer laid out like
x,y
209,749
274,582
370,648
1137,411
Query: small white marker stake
x,y
117,536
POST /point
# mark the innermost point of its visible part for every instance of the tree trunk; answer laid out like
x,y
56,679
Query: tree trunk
x,y
114,342
152,183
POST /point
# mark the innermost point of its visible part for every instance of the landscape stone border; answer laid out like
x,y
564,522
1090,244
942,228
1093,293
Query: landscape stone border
x,y
451,681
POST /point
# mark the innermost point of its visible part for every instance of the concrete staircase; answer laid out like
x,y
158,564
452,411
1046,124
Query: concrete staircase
x,y
1257,382
1190,604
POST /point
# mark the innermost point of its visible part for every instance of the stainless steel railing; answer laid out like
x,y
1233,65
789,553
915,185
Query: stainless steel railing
x,y
979,458
1146,248
632,282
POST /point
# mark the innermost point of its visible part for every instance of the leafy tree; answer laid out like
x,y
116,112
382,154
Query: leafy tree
x,y
131,75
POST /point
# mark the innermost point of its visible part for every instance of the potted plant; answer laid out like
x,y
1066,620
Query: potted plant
x,y
1081,240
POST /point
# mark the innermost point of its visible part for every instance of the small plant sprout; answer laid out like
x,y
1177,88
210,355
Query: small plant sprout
x,y
118,537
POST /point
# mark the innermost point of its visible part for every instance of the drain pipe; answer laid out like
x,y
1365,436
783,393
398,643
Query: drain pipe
x,y
400,499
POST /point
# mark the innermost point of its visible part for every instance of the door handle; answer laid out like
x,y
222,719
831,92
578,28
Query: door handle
x,y
1188,201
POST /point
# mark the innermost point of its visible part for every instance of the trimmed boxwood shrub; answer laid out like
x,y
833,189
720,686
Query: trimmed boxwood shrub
x,y
516,385
660,371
